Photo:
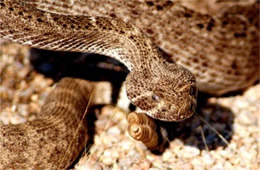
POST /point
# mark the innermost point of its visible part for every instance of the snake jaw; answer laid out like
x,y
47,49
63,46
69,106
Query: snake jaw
x,y
172,112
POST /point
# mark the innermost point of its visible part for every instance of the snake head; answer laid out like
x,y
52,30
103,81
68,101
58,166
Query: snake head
x,y
170,94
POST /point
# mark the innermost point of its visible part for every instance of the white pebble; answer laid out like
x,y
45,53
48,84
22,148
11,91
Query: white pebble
x,y
245,118
114,131
207,158
190,152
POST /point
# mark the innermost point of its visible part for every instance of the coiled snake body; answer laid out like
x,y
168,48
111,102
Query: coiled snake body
x,y
220,51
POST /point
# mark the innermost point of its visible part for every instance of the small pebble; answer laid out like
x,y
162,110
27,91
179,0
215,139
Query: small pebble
x,y
114,131
190,152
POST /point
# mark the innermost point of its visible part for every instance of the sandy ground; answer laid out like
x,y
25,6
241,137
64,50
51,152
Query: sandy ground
x,y
192,143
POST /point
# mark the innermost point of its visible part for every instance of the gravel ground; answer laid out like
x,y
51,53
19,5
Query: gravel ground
x,y
192,143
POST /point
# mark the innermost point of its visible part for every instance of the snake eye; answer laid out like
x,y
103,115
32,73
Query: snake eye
x,y
192,90
156,98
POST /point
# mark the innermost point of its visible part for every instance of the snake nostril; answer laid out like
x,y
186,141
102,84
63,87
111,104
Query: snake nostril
x,y
164,109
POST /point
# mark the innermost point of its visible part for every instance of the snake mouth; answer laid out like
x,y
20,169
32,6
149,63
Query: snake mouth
x,y
173,113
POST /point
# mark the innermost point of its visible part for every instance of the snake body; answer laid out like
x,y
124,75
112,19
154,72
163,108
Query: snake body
x,y
40,144
163,90
221,52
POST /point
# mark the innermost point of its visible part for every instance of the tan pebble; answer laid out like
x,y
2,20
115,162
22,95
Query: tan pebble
x,y
22,109
107,140
245,118
250,141
134,155
119,116
228,165
212,100
218,166
197,163
150,157
185,166
107,108
26,93
224,153
5,93
123,124
235,160
116,166
16,98
190,152
235,137
127,145
167,156
145,164
22,73
88,165
13,108
157,163
216,156
107,158
140,166
100,124
114,131
245,154
23,84
207,158
4,120
17,119
125,162
232,146
241,104
34,107
176,145
241,131
34,97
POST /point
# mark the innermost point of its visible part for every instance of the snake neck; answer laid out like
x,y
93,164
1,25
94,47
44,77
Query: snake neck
x,y
111,37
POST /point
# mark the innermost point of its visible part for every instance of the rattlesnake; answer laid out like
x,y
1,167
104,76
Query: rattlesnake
x,y
220,51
